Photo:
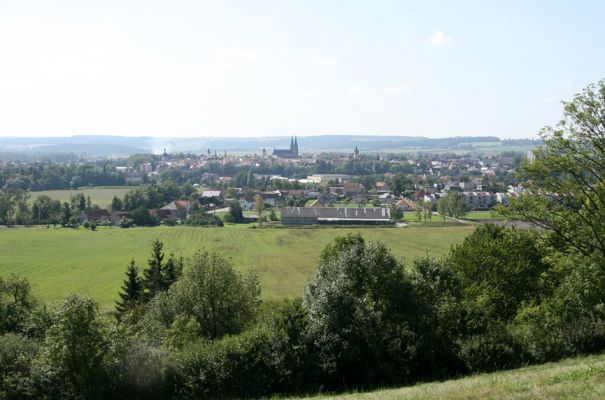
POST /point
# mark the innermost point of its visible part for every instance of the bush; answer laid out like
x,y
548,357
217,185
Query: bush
x,y
81,355
141,374
569,323
233,367
235,214
126,222
16,355
142,217
170,222
202,218
16,304
273,358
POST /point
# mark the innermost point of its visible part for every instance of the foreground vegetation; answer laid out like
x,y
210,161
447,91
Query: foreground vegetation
x,y
576,378
197,327
61,261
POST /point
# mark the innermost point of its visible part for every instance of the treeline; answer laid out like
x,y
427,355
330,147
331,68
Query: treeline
x,y
198,328
47,176
16,210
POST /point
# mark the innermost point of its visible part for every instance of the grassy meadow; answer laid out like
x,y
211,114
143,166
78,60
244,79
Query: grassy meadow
x,y
101,195
577,378
483,215
61,260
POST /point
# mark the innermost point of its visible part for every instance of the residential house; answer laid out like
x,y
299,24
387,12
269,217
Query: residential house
x,y
96,216
116,216
179,208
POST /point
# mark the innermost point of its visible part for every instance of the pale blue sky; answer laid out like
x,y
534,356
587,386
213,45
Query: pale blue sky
x,y
261,68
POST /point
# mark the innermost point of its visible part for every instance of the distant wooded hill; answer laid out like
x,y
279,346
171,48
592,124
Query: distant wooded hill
x,y
105,145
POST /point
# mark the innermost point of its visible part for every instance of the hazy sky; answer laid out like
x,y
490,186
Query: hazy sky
x,y
259,68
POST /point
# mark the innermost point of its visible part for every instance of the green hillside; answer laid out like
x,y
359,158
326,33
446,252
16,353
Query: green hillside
x,y
578,378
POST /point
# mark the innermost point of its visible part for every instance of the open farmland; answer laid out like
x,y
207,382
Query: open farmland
x,y
59,261
101,196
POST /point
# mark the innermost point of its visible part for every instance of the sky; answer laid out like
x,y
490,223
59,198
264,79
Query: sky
x,y
309,67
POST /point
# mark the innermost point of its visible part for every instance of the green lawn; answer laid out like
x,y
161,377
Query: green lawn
x,y
483,215
101,195
60,260
578,378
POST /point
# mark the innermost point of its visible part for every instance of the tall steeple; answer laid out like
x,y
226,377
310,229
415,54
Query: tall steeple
x,y
295,146
292,144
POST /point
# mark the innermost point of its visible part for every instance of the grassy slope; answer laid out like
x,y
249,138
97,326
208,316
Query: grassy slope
x,y
101,196
578,378
59,260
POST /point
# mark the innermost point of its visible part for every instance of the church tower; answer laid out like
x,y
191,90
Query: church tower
x,y
356,153
295,146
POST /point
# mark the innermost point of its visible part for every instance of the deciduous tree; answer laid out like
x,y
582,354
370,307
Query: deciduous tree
x,y
566,180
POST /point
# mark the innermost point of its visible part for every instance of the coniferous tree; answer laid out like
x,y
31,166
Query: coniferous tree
x,y
132,290
116,204
172,270
154,277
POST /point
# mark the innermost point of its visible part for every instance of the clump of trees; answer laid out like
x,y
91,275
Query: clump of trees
x,y
235,214
451,205
15,210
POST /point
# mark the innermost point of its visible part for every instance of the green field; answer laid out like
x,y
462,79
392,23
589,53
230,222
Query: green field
x,y
483,215
60,260
578,378
101,195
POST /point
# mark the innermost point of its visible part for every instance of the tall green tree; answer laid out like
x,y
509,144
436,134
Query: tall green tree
x,y
153,280
132,290
566,179
13,206
81,355
361,312
222,300
116,204
16,302
451,205
235,214
259,206
172,270
78,202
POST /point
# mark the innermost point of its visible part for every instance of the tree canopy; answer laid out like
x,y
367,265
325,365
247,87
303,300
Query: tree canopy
x,y
566,179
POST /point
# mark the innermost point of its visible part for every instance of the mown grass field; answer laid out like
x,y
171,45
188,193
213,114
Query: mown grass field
x,y
577,378
101,195
60,260
483,215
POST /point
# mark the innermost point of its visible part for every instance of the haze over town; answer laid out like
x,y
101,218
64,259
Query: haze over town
x,y
238,68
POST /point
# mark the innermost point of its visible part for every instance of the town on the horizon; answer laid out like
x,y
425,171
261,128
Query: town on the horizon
x,y
283,178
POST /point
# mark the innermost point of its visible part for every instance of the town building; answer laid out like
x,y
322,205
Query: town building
x,y
335,216
292,152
